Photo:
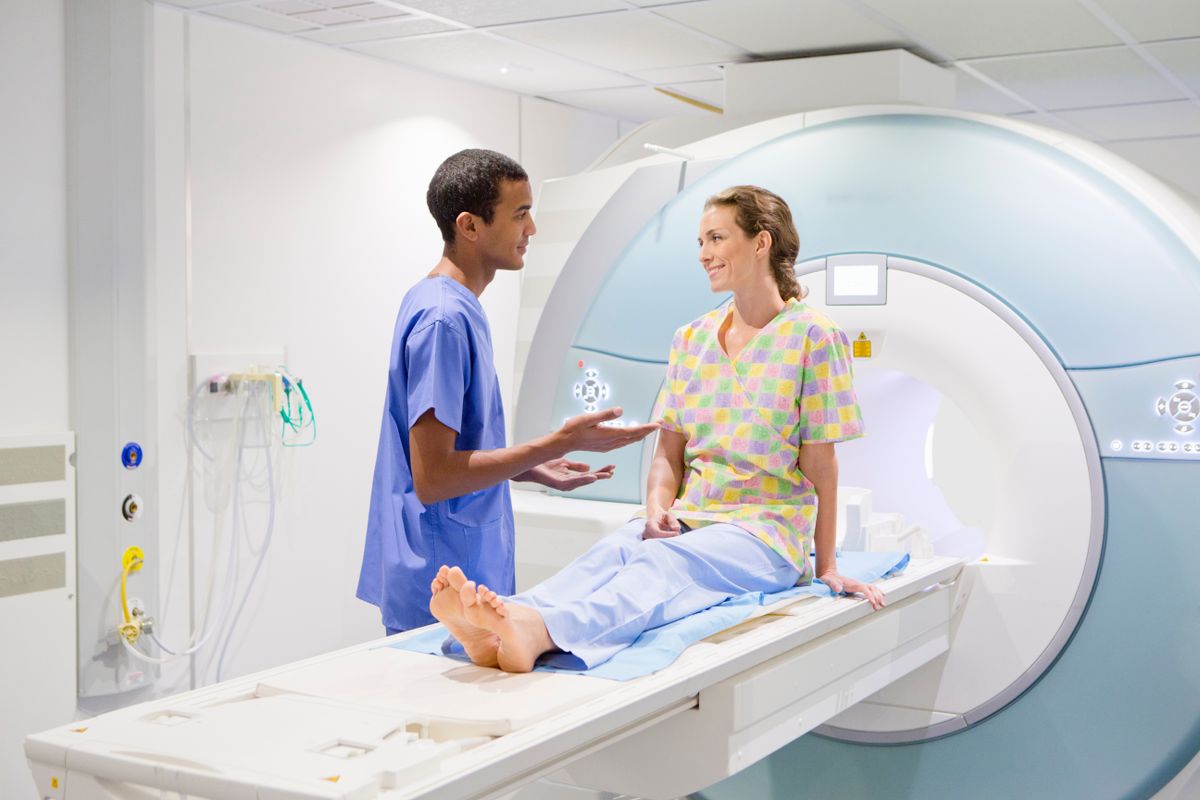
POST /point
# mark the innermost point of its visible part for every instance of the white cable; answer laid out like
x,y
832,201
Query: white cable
x,y
262,553
203,630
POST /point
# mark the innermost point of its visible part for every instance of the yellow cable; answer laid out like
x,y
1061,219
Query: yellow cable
x,y
131,561
124,577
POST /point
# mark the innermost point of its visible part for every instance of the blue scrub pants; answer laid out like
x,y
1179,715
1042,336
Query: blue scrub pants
x,y
602,601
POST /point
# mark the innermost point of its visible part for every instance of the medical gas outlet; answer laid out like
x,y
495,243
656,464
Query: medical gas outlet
x,y
131,507
134,621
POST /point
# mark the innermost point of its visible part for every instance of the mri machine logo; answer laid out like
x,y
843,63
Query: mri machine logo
x,y
591,391
1183,406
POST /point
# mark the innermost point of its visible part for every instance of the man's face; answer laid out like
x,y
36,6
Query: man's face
x,y
503,242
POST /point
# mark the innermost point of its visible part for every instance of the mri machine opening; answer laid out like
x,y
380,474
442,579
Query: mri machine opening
x,y
972,437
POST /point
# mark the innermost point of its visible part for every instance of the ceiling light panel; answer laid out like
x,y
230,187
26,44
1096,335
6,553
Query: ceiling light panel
x,y
978,28
1182,58
625,42
495,62
501,12
391,29
768,27
1160,19
1080,79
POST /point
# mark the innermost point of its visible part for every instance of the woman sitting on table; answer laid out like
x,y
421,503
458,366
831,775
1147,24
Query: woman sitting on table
x,y
757,392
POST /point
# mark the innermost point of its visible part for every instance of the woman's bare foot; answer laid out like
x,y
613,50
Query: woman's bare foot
x,y
444,603
521,630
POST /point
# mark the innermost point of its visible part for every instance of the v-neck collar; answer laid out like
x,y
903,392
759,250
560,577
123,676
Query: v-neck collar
x,y
788,304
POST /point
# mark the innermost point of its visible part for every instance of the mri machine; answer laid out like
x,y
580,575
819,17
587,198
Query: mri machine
x,y
1023,306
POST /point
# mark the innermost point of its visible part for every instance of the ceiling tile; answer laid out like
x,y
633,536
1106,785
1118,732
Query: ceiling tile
x,y
768,27
1182,58
977,28
637,103
372,10
189,3
280,23
1080,78
1054,121
626,42
1142,121
1160,19
288,6
1176,161
703,72
975,95
493,61
328,16
392,29
499,12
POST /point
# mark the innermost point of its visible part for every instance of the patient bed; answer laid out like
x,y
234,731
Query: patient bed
x,y
374,721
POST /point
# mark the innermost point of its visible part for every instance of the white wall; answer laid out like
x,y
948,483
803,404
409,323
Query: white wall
x,y
33,257
308,169
33,318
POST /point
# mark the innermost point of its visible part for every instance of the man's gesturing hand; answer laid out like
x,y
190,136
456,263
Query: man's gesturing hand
x,y
592,432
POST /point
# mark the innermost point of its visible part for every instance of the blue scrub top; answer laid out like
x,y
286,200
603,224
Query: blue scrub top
x,y
442,360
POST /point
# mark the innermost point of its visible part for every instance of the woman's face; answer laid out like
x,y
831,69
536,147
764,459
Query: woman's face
x,y
728,255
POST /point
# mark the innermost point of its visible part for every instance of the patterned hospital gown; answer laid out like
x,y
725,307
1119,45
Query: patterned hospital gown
x,y
745,422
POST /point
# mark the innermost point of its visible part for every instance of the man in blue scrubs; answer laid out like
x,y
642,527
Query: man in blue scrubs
x,y
440,493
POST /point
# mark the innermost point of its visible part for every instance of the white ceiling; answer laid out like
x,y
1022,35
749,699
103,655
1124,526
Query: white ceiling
x,y
1114,71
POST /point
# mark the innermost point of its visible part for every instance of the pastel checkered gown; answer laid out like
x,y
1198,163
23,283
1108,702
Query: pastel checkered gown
x,y
745,421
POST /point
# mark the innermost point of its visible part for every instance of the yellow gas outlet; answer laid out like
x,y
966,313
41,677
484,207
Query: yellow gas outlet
x,y
132,558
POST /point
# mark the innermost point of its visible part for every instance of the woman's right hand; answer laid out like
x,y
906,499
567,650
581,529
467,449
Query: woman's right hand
x,y
661,525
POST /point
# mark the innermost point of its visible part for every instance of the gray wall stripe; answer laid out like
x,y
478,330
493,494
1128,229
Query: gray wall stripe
x,y
33,464
33,574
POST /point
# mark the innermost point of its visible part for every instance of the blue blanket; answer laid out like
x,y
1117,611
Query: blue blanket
x,y
659,647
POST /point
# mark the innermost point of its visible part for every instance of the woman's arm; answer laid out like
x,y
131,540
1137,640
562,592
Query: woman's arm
x,y
818,462
662,485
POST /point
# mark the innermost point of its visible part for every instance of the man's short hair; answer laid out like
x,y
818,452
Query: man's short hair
x,y
469,181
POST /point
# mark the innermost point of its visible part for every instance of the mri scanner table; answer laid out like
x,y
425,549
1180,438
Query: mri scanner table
x,y
375,721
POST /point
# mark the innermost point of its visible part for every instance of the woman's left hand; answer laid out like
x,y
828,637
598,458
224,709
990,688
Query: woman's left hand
x,y
839,584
